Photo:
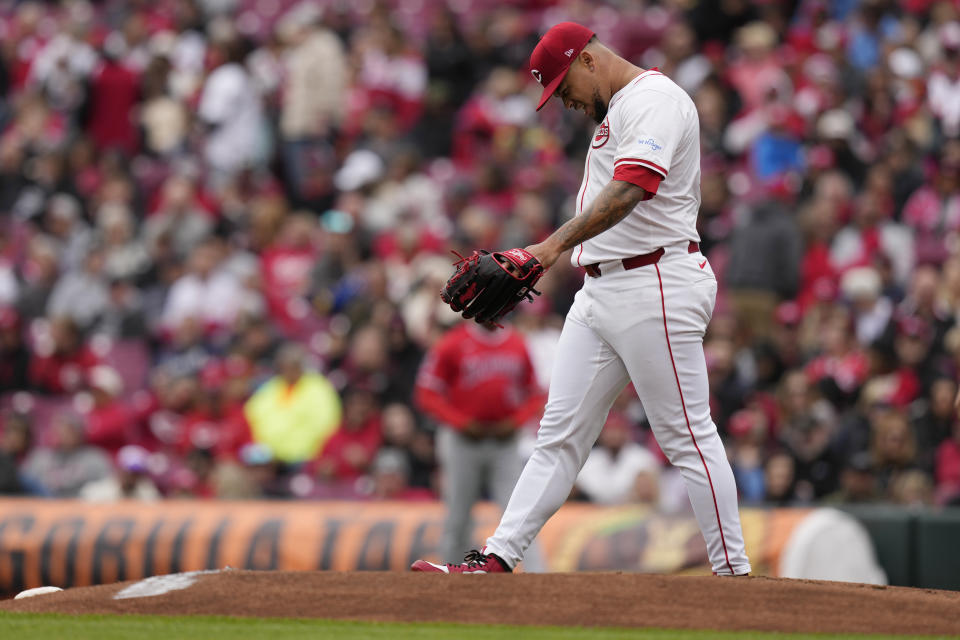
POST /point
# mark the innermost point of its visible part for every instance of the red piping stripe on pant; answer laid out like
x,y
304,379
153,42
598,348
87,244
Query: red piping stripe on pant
x,y
663,304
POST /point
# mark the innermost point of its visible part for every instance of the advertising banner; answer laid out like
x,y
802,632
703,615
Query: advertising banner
x,y
70,543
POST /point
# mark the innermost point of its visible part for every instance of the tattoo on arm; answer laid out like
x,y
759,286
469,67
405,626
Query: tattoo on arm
x,y
611,206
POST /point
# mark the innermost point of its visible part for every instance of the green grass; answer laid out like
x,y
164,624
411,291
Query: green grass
x,y
99,627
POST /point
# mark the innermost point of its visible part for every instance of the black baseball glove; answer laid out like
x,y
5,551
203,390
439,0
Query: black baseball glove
x,y
487,286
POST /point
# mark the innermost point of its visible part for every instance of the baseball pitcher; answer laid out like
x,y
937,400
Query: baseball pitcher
x,y
644,307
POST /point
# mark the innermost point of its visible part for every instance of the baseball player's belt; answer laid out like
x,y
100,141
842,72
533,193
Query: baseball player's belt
x,y
484,437
593,270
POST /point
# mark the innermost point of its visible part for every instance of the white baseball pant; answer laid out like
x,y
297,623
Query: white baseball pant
x,y
645,325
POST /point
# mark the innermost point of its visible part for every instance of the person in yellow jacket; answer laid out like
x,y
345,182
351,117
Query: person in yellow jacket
x,y
294,412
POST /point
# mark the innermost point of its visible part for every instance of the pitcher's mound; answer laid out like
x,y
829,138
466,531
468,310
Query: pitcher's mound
x,y
567,599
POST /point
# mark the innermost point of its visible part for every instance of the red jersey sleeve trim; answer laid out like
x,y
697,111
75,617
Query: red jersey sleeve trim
x,y
646,179
647,163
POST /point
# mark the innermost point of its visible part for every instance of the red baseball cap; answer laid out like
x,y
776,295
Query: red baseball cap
x,y
554,54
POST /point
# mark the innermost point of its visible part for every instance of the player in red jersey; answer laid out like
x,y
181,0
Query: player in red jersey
x,y
479,386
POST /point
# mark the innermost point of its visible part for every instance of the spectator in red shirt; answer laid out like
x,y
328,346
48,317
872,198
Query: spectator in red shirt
x,y
61,360
871,234
114,93
933,211
351,449
216,424
912,343
479,385
109,424
947,470
232,385
391,72
842,363
287,267
756,73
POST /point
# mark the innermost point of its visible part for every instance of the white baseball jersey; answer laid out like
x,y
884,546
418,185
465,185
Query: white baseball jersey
x,y
652,124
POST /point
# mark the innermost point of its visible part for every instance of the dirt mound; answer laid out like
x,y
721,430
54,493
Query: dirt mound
x,y
567,599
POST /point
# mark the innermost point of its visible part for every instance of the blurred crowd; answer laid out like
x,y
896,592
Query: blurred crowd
x,y
224,225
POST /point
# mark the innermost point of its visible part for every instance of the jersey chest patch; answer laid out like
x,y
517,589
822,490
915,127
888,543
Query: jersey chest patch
x,y
602,135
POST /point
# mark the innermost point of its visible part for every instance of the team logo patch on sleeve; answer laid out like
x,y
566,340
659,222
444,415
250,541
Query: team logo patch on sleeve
x,y
647,141
601,136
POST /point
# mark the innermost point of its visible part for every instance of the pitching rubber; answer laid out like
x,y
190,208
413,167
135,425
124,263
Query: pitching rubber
x,y
36,591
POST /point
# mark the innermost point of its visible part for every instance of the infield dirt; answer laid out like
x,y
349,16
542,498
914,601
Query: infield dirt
x,y
566,599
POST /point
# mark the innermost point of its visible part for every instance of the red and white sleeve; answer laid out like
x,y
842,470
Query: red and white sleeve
x,y
648,137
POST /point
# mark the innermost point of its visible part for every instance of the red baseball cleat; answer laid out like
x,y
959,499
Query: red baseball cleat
x,y
474,562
